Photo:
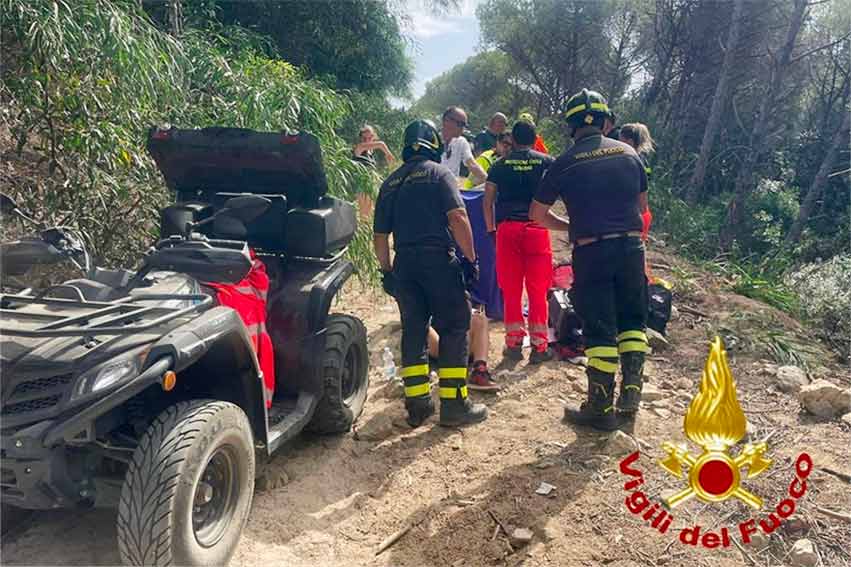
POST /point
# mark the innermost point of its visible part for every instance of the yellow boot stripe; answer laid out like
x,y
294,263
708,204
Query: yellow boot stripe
x,y
451,393
459,372
632,387
602,352
417,391
639,335
602,365
418,370
633,346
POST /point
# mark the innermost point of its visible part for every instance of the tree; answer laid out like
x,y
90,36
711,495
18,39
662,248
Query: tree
x,y
820,180
353,45
485,83
553,44
719,101
758,145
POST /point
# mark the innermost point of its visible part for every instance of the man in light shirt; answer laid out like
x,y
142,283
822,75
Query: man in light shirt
x,y
457,151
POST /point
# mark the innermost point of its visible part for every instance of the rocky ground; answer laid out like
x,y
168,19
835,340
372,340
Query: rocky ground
x,y
468,497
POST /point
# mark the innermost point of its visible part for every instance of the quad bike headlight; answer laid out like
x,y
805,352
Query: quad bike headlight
x,y
110,373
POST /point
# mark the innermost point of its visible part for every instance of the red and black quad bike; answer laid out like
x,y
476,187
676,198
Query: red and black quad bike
x,y
136,390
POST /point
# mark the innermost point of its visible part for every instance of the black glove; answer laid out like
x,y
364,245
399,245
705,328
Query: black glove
x,y
471,273
388,283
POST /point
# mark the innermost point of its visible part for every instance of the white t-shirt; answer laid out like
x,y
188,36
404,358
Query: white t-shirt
x,y
458,151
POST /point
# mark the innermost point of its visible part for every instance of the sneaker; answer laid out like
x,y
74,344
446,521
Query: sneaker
x,y
480,379
513,352
539,356
572,355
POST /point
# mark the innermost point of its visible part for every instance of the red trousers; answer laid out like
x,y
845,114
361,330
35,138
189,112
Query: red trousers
x,y
524,258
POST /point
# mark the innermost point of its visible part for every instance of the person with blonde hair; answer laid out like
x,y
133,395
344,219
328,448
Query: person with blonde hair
x,y
638,136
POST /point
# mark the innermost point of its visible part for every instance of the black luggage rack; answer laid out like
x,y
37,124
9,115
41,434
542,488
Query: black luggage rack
x,y
125,316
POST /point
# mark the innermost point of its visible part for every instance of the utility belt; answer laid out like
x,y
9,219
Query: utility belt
x,y
610,236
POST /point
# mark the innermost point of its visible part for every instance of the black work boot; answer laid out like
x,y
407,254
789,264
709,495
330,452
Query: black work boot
x,y
598,411
539,356
513,352
419,410
632,368
461,411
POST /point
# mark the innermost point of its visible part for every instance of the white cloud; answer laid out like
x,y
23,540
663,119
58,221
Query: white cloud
x,y
425,23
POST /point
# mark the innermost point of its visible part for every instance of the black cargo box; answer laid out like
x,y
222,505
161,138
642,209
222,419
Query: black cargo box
x,y
237,160
209,166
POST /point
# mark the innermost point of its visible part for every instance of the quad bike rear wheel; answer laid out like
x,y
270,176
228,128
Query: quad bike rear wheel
x,y
345,366
188,490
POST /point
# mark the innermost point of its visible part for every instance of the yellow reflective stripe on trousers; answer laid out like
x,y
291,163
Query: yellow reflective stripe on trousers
x,y
417,391
602,365
451,393
638,335
418,370
459,372
633,346
602,352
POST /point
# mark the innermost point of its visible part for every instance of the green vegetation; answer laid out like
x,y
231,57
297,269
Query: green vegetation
x,y
83,81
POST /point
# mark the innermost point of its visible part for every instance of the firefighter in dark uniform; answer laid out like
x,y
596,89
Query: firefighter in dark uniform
x,y
420,205
604,188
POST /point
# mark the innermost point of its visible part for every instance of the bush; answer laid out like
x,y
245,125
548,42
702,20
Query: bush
x,y
82,83
825,300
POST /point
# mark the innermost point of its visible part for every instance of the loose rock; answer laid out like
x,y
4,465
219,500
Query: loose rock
x,y
847,418
521,537
650,393
824,399
791,379
684,385
759,540
271,479
803,554
376,429
619,443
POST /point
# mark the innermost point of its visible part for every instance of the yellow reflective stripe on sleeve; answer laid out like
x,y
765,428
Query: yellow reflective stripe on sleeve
x,y
632,387
418,370
417,391
580,108
460,372
602,352
602,365
450,393
633,346
639,335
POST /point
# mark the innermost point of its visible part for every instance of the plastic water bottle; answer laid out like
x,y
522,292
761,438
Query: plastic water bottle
x,y
389,365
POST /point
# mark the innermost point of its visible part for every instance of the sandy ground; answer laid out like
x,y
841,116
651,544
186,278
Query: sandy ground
x,y
346,494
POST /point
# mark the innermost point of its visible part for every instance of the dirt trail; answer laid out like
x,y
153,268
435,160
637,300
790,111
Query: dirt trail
x,y
347,494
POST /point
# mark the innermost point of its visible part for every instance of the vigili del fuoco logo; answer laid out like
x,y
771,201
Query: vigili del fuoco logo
x,y
716,423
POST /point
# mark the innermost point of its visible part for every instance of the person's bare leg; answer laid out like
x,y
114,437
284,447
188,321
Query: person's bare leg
x,y
433,341
479,337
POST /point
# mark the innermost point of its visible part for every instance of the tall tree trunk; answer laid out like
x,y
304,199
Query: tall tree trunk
x,y
175,17
819,182
754,152
719,100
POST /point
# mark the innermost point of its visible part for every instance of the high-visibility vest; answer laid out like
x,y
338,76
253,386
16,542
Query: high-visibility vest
x,y
486,160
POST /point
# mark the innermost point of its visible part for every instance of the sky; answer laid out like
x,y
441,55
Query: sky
x,y
441,40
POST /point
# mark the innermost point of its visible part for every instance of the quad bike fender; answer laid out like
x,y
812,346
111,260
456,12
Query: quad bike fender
x,y
297,318
214,358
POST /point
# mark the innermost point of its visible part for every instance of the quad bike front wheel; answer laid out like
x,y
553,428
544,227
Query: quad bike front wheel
x,y
345,366
188,490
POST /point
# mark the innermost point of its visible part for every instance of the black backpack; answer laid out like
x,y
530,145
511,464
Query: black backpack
x,y
659,299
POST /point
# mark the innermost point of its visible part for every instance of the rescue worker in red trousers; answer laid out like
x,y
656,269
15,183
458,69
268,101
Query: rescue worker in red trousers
x,y
524,256
604,188
420,205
